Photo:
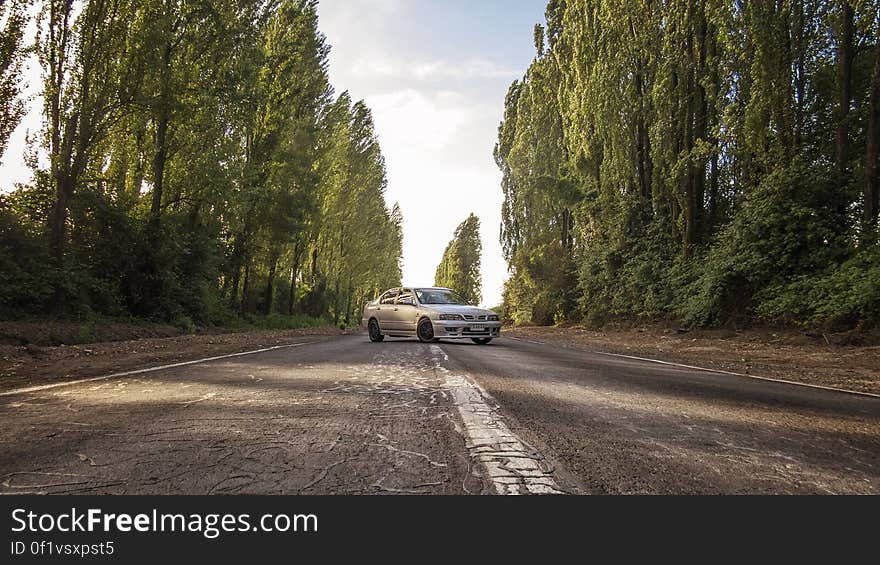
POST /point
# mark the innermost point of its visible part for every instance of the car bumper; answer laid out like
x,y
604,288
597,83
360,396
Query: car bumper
x,y
457,329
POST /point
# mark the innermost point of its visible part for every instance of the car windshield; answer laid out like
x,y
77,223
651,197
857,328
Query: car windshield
x,y
438,296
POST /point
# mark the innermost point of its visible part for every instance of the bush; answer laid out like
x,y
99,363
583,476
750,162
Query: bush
x,y
86,333
185,324
542,288
26,278
843,295
786,230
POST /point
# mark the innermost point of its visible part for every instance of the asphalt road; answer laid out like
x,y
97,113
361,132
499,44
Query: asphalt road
x,y
343,415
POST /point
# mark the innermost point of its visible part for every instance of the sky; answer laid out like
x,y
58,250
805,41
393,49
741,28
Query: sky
x,y
12,165
434,73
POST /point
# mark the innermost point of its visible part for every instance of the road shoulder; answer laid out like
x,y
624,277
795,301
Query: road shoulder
x,y
29,366
762,354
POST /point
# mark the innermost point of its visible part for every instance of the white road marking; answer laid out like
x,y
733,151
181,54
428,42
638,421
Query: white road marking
x,y
511,465
147,370
770,379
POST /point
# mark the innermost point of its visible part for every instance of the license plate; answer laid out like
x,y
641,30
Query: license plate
x,y
478,327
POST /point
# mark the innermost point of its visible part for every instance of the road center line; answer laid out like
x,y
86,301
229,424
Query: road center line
x,y
511,465
147,370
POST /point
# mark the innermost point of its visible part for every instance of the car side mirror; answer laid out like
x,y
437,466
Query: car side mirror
x,y
407,301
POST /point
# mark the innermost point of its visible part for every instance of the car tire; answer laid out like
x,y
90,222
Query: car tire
x,y
373,329
425,330
481,340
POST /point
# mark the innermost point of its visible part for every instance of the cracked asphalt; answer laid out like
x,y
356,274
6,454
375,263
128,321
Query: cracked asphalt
x,y
342,415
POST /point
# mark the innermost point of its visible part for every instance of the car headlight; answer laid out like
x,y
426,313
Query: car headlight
x,y
450,317
492,318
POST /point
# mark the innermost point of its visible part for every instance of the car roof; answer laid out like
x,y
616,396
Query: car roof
x,y
404,288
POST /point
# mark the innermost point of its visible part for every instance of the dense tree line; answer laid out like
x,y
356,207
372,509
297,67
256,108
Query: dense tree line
x,y
710,161
196,166
459,268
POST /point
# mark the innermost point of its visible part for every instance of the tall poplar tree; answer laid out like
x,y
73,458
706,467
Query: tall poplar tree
x,y
459,268
693,159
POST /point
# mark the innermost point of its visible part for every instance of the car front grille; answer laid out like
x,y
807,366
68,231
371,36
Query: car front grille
x,y
481,317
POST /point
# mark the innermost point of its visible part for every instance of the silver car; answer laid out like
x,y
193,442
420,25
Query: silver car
x,y
429,313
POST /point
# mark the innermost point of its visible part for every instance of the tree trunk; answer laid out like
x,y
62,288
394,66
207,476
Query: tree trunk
x,y
245,287
297,256
649,166
348,303
643,147
236,279
713,194
689,179
314,265
676,119
872,147
800,43
137,181
270,284
643,141
58,225
161,156
194,216
781,110
61,145
844,82
291,297
712,119
336,303
566,229
698,167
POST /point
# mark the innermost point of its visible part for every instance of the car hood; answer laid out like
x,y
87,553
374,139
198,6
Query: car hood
x,y
457,309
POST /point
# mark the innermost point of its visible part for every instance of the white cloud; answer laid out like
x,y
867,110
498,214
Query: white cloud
x,y
430,70
436,116
13,169
440,170
410,119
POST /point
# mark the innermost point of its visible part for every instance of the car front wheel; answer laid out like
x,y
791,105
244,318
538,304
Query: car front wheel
x,y
481,340
425,330
373,329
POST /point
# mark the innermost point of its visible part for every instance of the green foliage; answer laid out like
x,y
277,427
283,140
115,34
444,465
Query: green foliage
x,y
25,282
695,160
785,230
842,296
537,231
634,280
184,323
200,171
86,333
359,241
459,268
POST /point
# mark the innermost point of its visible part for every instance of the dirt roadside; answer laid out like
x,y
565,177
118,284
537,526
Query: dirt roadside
x,y
29,365
819,360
